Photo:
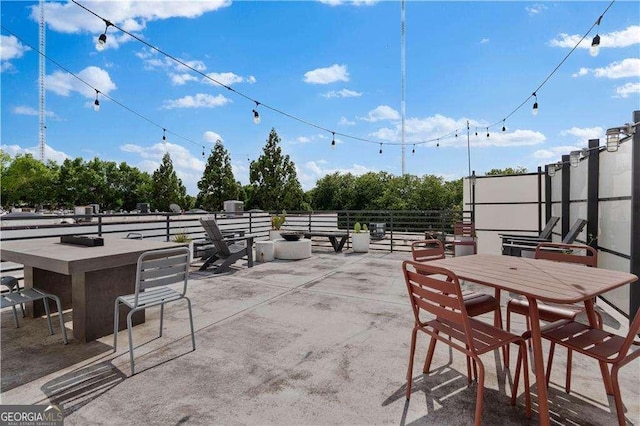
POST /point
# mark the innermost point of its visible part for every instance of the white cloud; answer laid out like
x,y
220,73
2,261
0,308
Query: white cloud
x,y
382,112
535,9
629,67
583,134
27,110
131,15
228,78
628,89
10,48
181,79
64,83
201,100
344,121
188,167
327,75
302,139
555,152
349,2
624,38
484,41
309,174
49,153
210,136
344,93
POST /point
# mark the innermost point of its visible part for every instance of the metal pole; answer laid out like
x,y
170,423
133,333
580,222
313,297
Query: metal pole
x,y
403,77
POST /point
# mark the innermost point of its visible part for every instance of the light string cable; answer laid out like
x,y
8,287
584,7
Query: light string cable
x,y
258,103
98,90
535,92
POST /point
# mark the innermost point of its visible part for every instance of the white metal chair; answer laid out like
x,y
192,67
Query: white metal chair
x,y
155,270
19,297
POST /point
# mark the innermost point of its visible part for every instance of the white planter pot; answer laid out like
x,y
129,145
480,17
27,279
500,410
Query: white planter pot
x,y
360,242
274,235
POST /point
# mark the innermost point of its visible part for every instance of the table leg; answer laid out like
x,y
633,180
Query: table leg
x,y
341,244
334,243
538,362
593,322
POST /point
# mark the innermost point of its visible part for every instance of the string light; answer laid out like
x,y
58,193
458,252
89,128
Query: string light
x,y
380,152
96,103
534,111
164,136
595,43
202,151
333,141
504,128
456,133
256,116
413,151
476,131
487,132
102,40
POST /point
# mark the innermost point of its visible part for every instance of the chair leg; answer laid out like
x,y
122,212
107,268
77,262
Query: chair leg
x,y
15,316
567,385
116,318
193,334
523,364
64,330
507,349
48,312
161,317
616,395
429,358
414,335
497,321
552,349
480,393
129,327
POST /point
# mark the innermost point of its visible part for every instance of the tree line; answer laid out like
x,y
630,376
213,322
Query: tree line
x,y
273,185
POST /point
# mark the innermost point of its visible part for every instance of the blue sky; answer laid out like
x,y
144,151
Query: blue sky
x,y
332,63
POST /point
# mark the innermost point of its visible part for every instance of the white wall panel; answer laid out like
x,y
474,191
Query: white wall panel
x,y
578,184
615,225
615,172
620,296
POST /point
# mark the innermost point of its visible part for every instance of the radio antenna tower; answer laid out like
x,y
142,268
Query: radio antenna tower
x,y
41,114
403,76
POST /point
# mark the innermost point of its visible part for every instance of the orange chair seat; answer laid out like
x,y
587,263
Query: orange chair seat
x,y
549,313
479,303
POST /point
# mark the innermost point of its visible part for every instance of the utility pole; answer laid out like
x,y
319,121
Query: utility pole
x,y
403,72
41,113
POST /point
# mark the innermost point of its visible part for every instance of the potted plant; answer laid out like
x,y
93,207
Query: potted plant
x,y
183,237
276,223
360,238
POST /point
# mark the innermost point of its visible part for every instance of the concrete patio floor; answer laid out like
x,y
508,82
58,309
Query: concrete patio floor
x,y
318,341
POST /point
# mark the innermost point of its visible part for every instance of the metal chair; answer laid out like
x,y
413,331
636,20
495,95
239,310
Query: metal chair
x,y
11,283
155,270
19,297
475,303
560,253
600,345
439,294
462,231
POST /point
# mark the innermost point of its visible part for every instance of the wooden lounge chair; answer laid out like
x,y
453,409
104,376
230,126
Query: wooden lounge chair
x,y
545,235
598,344
438,294
515,246
226,250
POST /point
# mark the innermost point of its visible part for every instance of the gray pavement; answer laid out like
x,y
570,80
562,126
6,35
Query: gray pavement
x,y
323,340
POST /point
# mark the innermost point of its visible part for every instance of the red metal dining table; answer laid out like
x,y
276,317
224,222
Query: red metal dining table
x,y
540,280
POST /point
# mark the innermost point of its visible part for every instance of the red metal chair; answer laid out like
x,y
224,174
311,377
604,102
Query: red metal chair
x,y
462,231
570,253
436,291
597,344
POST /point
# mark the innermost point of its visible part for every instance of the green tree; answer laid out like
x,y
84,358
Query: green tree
x,y
508,171
274,181
166,187
26,181
333,192
217,183
133,185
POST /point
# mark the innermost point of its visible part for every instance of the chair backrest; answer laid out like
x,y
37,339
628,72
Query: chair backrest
x,y
162,267
436,292
548,228
210,226
574,231
465,229
634,330
570,253
424,251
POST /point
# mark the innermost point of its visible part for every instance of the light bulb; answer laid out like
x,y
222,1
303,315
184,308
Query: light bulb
x,y
96,105
595,46
256,117
102,41
534,111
